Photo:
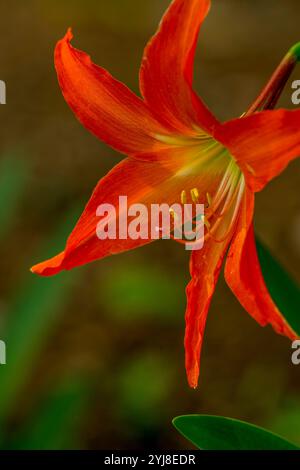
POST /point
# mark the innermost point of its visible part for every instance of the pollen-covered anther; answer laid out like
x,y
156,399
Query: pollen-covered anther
x,y
195,195
183,197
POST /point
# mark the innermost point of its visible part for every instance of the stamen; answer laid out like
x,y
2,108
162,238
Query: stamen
x,y
195,195
226,181
221,207
229,181
205,221
183,197
237,197
209,199
173,215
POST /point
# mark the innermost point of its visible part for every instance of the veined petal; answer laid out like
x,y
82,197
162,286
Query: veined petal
x,y
166,73
262,144
205,268
143,183
244,277
104,105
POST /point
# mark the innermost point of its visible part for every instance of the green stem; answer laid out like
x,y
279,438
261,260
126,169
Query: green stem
x,y
295,51
270,95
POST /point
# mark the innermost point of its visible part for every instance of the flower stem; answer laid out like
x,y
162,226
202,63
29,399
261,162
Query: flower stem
x,y
270,95
295,51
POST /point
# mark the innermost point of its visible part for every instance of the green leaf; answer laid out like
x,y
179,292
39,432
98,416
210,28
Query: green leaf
x,y
287,419
283,289
219,433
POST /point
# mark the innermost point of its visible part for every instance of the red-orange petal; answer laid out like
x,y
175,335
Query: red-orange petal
x,y
263,144
131,178
166,73
104,105
142,182
205,266
244,277
181,167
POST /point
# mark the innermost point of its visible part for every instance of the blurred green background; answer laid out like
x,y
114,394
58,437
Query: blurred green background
x,y
95,357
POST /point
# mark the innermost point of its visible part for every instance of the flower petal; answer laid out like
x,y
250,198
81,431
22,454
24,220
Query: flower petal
x,y
103,105
166,73
142,182
263,144
244,277
205,268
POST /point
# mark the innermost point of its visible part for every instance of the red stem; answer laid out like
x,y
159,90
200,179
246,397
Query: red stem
x,y
270,95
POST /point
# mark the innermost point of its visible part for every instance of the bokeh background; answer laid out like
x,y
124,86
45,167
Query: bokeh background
x,y
95,357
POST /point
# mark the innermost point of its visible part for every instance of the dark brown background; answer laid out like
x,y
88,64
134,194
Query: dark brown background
x,y
119,329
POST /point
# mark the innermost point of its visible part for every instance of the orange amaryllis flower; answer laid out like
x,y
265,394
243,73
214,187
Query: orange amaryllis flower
x,y
177,151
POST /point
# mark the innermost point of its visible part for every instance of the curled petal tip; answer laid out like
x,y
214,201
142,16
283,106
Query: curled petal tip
x,y
49,267
193,379
64,41
193,385
33,269
69,35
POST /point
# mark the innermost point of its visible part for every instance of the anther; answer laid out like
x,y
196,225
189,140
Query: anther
x,y
195,195
183,197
